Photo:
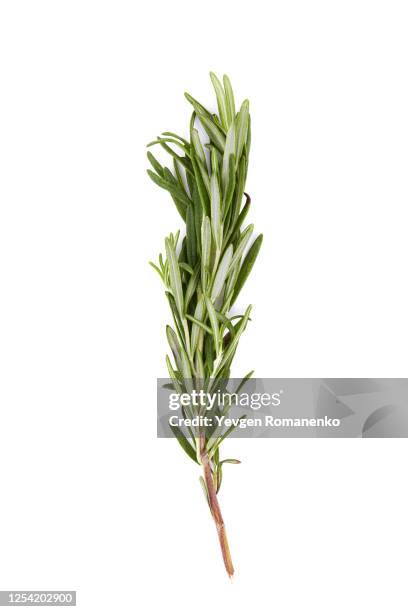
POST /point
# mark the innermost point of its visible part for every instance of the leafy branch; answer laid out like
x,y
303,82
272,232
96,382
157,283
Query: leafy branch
x,y
204,272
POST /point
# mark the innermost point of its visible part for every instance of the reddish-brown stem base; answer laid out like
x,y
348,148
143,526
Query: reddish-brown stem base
x,y
217,516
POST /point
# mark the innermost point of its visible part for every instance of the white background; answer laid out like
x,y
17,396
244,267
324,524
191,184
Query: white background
x,y
90,500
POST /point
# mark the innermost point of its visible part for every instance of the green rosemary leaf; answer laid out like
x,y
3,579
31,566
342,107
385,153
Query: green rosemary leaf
x,y
199,366
186,267
198,218
184,443
191,237
218,477
214,162
243,381
230,286
185,367
228,151
229,97
233,461
162,141
179,176
204,174
230,350
201,188
183,140
192,286
199,108
216,223
247,266
228,196
222,272
242,243
214,325
248,140
198,323
173,376
239,190
176,316
209,354
159,272
205,250
215,134
240,220
179,197
155,164
227,322
175,279
242,127
174,344
182,160
198,147
221,103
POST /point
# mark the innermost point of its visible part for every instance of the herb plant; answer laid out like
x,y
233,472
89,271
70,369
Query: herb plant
x,y
204,272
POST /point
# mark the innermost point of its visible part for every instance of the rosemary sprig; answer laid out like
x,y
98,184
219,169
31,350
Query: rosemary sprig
x,y
204,275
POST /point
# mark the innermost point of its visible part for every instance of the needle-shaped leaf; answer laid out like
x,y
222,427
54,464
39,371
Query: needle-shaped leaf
x,y
173,375
247,266
214,324
242,127
231,348
242,243
175,278
199,108
240,220
201,186
198,147
214,162
198,218
229,194
200,324
184,266
155,164
222,272
192,286
221,103
198,321
199,366
183,140
228,151
191,237
243,381
163,141
176,316
239,190
174,345
205,250
179,176
180,198
159,272
229,97
214,132
184,443
216,222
